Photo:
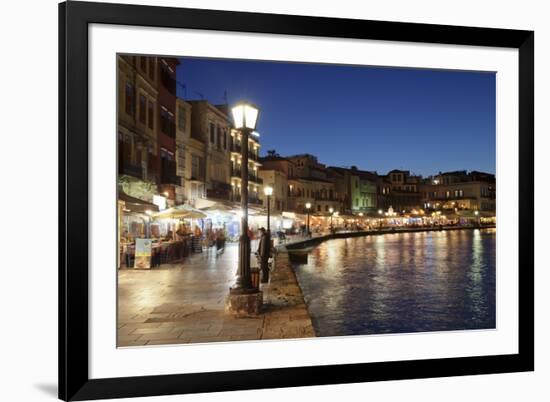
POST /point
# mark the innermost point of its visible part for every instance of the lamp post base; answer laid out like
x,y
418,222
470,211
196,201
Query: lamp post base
x,y
244,302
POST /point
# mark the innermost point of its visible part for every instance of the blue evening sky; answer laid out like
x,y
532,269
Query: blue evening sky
x,y
375,118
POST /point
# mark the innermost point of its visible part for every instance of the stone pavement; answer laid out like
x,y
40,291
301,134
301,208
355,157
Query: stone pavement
x,y
185,303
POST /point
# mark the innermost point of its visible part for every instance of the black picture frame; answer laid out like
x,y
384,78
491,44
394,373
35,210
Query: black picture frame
x,y
74,381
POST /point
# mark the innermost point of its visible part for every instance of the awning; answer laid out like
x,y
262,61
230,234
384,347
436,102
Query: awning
x,y
137,205
181,211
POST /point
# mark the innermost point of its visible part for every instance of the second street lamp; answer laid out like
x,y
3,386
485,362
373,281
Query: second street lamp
x,y
268,191
308,208
331,210
245,116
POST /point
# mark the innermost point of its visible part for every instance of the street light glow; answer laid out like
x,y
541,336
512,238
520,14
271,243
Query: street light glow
x,y
268,190
245,115
331,210
308,205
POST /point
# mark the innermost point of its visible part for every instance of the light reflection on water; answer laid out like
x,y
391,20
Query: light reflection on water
x,y
406,282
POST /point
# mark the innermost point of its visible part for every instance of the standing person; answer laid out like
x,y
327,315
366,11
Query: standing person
x,y
264,247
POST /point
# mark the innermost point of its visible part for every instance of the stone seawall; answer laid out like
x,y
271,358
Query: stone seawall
x,y
285,310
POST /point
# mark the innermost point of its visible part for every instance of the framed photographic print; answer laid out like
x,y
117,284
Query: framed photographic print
x,y
258,201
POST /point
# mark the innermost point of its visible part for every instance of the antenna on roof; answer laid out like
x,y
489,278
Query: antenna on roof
x,y
225,96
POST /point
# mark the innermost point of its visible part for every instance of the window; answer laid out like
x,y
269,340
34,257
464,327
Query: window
x,y
130,99
224,139
166,78
151,115
181,157
219,131
447,194
212,134
171,125
181,118
318,208
143,63
195,166
163,119
167,122
326,208
142,108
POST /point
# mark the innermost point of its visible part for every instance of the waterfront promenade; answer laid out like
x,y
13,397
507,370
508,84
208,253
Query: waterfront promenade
x,y
185,303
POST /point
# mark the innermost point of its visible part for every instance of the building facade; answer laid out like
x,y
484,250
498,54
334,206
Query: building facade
x,y
255,182
279,182
210,126
460,190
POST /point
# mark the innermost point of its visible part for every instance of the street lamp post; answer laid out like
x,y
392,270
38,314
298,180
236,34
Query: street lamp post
x,y
268,191
331,210
308,208
245,116
380,212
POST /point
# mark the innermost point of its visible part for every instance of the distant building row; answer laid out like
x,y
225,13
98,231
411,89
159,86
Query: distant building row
x,y
300,179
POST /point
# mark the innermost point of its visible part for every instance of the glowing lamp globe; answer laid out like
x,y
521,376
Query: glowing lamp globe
x,y
245,115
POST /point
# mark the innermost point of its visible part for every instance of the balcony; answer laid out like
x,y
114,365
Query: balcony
x,y
131,170
168,127
236,148
252,155
255,179
219,190
235,172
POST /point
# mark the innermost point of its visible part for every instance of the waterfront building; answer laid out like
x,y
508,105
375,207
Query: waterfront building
x,y
137,94
146,130
399,189
311,183
274,161
255,182
460,190
277,180
183,135
170,182
210,126
358,189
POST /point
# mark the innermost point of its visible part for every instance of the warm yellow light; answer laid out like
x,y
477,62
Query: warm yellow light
x,y
268,190
360,213
476,213
308,205
245,115
331,210
380,212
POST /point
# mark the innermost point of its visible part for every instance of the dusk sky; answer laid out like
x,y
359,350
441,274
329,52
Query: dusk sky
x,y
380,119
